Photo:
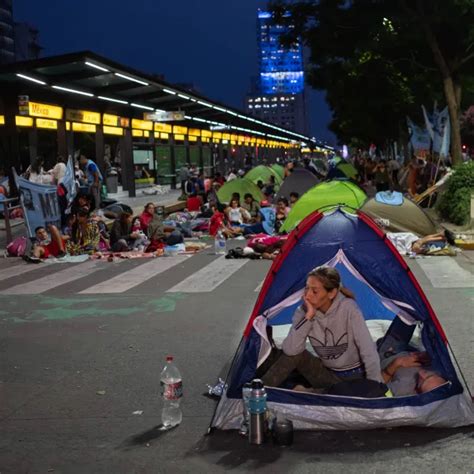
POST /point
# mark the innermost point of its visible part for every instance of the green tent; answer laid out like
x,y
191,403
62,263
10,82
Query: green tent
x,y
262,173
241,186
324,194
347,169
280,170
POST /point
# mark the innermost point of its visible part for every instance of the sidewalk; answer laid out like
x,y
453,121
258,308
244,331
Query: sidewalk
x,y
169,199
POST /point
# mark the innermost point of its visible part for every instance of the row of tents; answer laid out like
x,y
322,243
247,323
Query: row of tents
x,y
399,213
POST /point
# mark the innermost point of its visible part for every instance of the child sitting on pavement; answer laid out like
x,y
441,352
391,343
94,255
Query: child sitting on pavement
x,y
142,241
46,245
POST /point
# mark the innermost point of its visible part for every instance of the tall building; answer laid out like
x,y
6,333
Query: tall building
x,y
7,33
279,93
26,42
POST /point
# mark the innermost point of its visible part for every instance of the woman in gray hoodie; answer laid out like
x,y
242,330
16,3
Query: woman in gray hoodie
x,y
331,319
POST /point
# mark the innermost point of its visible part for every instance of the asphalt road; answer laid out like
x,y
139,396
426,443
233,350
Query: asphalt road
x,y
75,364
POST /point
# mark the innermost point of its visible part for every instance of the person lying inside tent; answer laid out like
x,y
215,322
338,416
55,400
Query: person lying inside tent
x,y
410,373
331,319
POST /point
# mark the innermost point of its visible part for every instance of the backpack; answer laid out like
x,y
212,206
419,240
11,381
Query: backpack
x,y
18,247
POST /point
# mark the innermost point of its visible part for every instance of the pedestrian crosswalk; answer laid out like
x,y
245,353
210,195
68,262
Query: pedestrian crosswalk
x,y
175,274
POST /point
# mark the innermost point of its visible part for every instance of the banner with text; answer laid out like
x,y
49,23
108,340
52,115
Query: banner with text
x,y
40,204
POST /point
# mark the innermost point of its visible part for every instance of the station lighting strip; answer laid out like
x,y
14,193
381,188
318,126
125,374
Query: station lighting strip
x,y
172,92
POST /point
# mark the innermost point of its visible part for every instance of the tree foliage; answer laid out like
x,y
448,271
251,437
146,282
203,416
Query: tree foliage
x,y
379,60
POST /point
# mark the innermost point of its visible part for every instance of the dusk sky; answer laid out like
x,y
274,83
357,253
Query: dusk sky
x,y
210,43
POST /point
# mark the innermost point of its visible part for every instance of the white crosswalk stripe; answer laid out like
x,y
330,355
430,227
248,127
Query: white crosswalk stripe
x,y
209,277
259,287
445,272
43,283
17,270
134,277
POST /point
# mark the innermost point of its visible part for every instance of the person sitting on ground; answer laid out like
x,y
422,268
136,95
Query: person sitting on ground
x,y
85,235
193,203
146,216
160,235
331,319
268,246
251,206
260,184
218,222
438,241
235,214
49,245
104,241
142,242
294,196
122,238
83,201
282,209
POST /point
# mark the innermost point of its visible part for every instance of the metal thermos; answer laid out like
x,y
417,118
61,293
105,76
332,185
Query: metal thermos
x,y
257,412
283,432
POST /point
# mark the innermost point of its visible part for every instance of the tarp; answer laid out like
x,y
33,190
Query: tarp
x,y
262,173
280,170
241,186
406,217
322,195
384,287
299,181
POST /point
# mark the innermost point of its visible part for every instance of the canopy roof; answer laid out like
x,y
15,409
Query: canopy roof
x,y
94,78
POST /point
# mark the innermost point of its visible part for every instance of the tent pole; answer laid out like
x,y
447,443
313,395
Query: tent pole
x,y
460,371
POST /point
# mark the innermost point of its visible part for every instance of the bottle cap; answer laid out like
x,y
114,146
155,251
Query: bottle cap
x,y
169,358
257,384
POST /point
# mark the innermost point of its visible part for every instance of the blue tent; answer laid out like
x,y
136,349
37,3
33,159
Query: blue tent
x,y
385,288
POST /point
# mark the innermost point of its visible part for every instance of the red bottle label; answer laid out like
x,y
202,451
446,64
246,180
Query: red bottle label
x,y
172,391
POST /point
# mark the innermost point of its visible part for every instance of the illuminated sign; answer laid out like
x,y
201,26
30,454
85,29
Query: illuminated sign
x,y
142,124
164,136
113,130
192,138
23,101
2,119
44,110
163,116
195,132
146,134
137,133
82,116
179,137
23,121
163,127
83,127
180,130
124,122
226,136
217,135
46,123
205,140
206,133
68,125
111,120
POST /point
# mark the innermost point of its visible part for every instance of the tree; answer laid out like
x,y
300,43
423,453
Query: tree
x,y
421,44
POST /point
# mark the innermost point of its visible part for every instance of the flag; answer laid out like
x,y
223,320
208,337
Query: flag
x,y
69,181
444,150
419,136
428,122
439,125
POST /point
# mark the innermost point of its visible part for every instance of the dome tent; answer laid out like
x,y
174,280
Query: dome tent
x,y
402,215
280,170
262,173
299,181
323,195
241,186
385,288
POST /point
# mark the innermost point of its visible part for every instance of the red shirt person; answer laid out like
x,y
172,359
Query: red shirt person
x,y
146,216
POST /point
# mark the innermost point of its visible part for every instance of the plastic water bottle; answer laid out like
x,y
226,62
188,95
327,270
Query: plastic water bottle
x,y
171,391
246,393
220,243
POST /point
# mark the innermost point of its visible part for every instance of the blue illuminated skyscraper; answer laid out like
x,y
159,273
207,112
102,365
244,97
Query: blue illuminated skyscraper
x,y
281,68
278,95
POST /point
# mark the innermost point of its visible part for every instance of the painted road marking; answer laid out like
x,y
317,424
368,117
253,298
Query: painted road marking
x,y
259,287
444,272
209,277
135,276
50,281
17,270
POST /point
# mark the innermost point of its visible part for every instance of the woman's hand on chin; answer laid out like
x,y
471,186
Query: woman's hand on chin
x,y
309,309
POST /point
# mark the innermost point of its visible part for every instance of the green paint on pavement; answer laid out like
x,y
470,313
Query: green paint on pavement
x,y
46,308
